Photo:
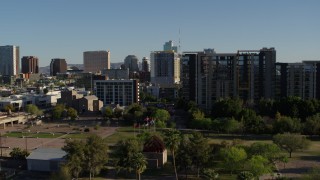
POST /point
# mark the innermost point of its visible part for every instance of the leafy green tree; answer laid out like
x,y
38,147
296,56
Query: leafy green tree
x,y
233,158
266,107
89,156
72,113
18,153
291,142
172,140
75,156
125,152
118,112
183,158
33,109
312,125
95,154
231,125
252,123
161,115
200,151
258,165
57,111
287,124
269,151
204,123
108,112
227,108
134,112
197,114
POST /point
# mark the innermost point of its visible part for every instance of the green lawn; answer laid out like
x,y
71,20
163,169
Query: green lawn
x,y
33,135
123,133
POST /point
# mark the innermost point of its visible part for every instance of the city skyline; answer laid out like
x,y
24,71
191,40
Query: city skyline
x,y
66,29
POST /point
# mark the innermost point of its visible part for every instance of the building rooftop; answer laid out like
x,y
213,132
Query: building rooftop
x,y
47,154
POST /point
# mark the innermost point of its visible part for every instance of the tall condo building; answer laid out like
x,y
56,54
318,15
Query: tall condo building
x,y
131,62
208,76
29,64
95,61
9,60
58,66
165,68
256,74
168,46
145,64
298,79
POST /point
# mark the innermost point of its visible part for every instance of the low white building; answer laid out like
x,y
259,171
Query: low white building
x,y
46,159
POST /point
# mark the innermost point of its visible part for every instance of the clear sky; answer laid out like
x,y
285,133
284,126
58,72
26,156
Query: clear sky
x,y
65,28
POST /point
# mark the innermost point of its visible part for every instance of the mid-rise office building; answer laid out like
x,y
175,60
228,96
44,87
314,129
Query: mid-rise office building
x,y
58,66
122,92
131,63
165,68
95,61
9,60
29,64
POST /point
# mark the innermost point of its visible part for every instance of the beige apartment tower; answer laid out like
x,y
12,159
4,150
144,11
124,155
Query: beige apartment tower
x,y
95,61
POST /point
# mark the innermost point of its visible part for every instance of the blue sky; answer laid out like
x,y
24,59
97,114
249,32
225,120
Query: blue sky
x,y
66,28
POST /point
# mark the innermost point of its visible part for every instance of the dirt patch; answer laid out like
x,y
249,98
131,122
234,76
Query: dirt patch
x,y
32,143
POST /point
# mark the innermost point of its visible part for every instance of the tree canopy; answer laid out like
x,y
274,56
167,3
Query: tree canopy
x,y
291,142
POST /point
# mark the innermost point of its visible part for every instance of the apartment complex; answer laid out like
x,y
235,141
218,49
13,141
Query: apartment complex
x,y
122,92
208,76
9,60
95,61
298,79
29,64
58,65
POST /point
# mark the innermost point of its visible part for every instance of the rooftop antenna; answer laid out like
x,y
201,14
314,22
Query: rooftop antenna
x,y
179,41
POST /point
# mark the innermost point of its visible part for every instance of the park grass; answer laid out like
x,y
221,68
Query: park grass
x,y
124,133
33,135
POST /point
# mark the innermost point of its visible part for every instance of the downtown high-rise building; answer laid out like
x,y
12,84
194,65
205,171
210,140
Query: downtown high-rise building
x,y
168,46
131,63
29,64
58,65
145,65
9,60
165,68
207,76
95,61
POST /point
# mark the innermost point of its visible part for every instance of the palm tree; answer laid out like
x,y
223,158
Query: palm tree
x,y
139,163
172,141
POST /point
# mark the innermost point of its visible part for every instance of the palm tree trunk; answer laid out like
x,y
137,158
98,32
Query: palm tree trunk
x,y
174,165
